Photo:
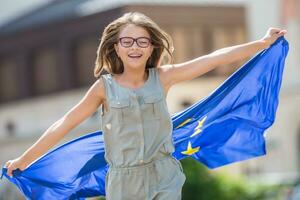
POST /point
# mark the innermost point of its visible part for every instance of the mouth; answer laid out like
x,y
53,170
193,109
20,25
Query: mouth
x,y
135,55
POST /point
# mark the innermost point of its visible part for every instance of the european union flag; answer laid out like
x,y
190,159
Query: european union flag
x,y
225,127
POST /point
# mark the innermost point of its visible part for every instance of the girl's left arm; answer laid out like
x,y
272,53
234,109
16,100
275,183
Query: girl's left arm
x,y
175,73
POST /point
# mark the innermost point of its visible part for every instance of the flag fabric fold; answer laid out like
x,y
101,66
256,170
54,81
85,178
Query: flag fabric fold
x,y
225,127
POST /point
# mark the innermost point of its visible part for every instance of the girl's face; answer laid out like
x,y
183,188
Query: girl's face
x,y
134,46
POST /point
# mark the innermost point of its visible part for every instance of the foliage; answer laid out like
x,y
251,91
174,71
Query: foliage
x,y
203,184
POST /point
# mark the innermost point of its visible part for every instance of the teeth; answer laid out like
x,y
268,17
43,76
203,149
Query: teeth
x,y
134,56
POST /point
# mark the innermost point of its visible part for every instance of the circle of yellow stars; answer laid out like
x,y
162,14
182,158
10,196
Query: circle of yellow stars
x,y
190,150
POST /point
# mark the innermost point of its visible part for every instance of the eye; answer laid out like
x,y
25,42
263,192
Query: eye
x,y
143,41
126,41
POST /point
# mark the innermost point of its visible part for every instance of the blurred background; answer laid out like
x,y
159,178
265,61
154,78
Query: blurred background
x,y
47,55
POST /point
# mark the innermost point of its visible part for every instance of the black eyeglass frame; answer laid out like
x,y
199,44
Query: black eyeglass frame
x,y
136,40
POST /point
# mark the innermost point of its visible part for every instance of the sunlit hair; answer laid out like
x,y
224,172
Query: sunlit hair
x,y
107,57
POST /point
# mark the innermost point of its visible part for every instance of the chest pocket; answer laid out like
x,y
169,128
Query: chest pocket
x,y
151,107
121,110
124,111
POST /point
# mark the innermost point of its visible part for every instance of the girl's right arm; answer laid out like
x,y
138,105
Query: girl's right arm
x,y
87,106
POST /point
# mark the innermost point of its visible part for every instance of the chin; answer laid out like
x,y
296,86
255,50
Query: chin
x,y
136,64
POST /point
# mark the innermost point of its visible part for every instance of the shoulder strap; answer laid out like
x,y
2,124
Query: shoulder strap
x,y
108,85
155,75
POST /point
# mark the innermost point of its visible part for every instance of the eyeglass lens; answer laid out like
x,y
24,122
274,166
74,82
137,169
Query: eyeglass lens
x,y
141,41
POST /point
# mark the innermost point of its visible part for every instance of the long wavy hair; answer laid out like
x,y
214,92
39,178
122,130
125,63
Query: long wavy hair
x,y
107,57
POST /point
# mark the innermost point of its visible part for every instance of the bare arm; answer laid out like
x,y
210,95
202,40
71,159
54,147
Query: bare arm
x,y
171,74
87,106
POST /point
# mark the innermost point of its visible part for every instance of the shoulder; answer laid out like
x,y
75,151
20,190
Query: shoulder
x,y
163,70
163,73
98,88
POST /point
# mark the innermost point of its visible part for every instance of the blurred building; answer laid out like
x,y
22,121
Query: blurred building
x,y
282,162
47,57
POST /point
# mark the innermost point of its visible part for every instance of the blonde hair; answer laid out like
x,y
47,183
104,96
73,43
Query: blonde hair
x,y
107,57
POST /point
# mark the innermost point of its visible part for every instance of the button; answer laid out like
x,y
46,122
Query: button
x,y
108,126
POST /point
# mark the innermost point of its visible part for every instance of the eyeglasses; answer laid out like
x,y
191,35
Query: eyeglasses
x,y
142,42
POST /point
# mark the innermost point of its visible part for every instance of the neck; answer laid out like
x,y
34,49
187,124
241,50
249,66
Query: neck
x,y
133,77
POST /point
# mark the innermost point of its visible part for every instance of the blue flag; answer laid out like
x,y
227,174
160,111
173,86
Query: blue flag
x,y
225,127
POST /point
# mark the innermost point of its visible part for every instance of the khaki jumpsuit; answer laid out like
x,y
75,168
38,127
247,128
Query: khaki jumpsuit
x,y
137,130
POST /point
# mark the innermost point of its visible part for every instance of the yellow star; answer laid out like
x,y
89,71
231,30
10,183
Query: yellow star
x,y
200,124
190,150
183,123
197,129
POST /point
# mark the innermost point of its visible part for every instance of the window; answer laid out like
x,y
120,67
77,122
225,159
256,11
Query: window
x,y
9,88
85,56
45,69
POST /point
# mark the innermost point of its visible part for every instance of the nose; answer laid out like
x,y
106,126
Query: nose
x,y
134,45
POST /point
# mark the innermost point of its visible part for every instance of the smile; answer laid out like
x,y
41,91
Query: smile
x,y
134,56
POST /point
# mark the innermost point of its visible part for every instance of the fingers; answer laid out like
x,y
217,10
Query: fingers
x,y
278,31
272,35
274,30
9,168
282,32
7,164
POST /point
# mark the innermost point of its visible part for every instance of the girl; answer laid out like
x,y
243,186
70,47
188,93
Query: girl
x,y
136,123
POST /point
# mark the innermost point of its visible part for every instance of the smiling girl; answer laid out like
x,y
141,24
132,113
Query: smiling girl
x,y
136,124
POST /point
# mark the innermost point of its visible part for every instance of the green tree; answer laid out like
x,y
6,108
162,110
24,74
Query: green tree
x,y
201,184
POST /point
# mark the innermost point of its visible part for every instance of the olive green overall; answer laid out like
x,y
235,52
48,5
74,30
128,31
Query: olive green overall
x,y
137,130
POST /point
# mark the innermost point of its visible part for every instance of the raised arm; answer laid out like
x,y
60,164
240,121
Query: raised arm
x,y
86,107
172,74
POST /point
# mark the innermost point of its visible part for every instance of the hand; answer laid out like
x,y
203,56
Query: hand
x,y
17,163
272,35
